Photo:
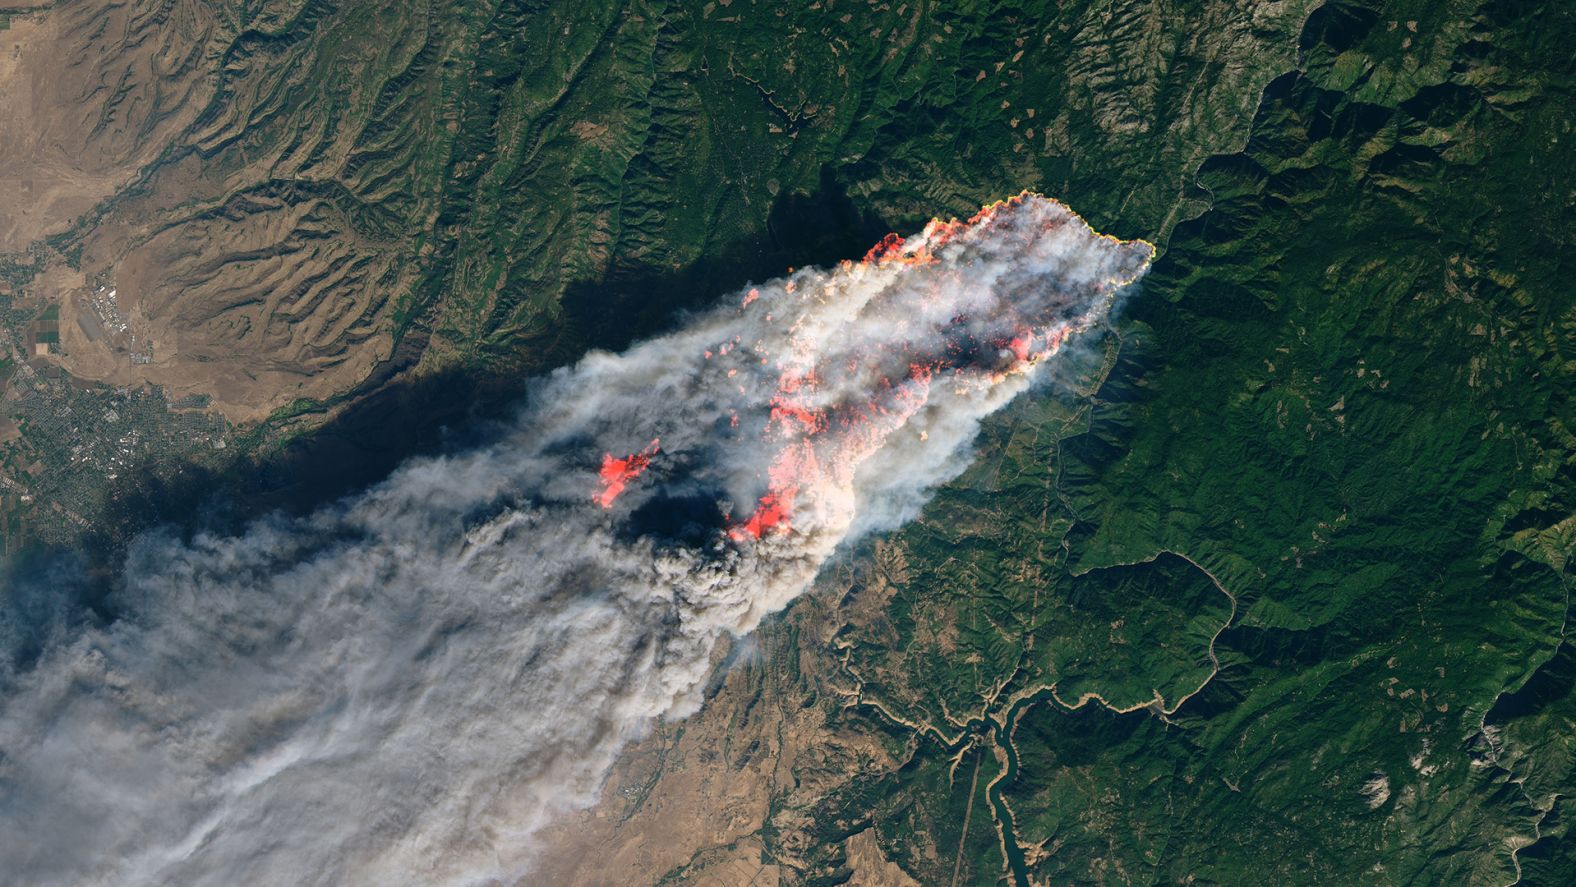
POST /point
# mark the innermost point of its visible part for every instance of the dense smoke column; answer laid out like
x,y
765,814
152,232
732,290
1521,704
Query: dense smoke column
x,y
403,687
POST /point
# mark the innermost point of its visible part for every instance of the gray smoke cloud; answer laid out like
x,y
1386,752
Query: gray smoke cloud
x,y
403,687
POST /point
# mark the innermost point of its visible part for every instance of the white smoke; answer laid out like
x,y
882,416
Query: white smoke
x,y
404,686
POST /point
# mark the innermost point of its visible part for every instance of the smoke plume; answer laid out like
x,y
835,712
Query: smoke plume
x,y
404,686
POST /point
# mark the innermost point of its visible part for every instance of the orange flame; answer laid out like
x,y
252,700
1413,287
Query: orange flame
x,y
617,473
772,513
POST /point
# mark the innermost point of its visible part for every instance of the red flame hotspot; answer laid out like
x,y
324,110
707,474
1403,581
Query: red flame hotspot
x,y
617,473
1019,346
771,513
